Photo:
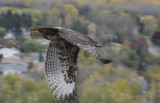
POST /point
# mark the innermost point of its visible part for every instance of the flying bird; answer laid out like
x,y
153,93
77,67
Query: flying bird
x,y
61,57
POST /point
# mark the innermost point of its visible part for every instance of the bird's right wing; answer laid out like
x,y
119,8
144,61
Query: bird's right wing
x,y
60,68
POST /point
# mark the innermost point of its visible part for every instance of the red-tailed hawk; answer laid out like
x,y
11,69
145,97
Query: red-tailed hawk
x,y
61,58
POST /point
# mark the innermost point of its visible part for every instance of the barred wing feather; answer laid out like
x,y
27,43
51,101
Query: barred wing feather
x,y
80,40
60,69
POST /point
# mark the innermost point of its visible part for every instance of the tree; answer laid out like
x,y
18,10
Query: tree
x,y
31,46
2,31
154,79
8,20
16,89
17,23
150,24
78,26
1,57
69,13
131,59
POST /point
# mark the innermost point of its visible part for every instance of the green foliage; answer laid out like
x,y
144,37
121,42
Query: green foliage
x,y
121,55
131,59
20,38
2,31
31,46
154,60
150,24
15,21
16,89
97,88
153,77
78,26
155,73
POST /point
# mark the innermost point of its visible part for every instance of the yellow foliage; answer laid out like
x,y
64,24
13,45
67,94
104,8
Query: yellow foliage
x,y
155,2
147,18
155,73
122,86
116,1
126,43
106,68
150,24
27,2
92,82
69,8
54,11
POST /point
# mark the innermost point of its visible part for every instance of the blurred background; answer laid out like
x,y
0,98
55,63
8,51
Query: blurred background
x,y
129,31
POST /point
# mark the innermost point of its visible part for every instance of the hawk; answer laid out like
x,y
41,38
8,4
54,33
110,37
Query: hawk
x,y
61,58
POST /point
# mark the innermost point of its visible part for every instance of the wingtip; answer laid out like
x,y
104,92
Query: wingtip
x,y
105,61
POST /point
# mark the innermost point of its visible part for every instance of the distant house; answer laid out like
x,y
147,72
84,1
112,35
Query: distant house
x,y
9,40
18,67
9,52
9,35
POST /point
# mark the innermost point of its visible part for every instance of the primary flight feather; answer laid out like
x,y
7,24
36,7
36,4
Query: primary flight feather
x,y
61,58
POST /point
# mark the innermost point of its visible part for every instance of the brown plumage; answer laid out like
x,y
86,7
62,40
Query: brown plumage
x,y
61,59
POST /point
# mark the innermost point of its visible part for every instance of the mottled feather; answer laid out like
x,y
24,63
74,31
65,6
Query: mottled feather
x,y
60,68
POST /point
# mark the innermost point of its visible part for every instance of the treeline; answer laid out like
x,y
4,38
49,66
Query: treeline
x,y
15,21
122,21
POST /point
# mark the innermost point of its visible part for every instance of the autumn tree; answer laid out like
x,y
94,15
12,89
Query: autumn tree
x,y
150,25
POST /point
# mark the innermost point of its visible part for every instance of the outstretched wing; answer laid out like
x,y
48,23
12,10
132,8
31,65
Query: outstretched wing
x,y
61,69
80,40
74,37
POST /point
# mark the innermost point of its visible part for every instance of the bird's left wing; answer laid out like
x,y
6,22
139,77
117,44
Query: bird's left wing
x,y
82,41
74,37
60,68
